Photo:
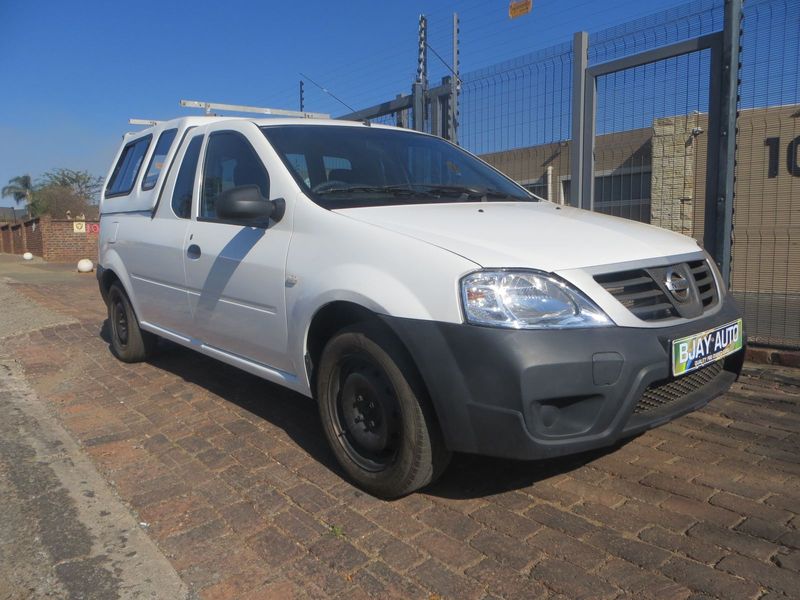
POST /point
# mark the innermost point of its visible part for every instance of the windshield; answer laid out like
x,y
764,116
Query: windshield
x,y
344,167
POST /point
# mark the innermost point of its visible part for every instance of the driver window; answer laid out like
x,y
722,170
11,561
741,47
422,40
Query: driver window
x,y
230,162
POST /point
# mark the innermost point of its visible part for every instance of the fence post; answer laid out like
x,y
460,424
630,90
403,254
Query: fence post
x,y
718,230
455,88
420,87
418,106
580,47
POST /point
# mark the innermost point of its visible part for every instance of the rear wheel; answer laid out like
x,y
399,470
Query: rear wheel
x,y
376,415
128,342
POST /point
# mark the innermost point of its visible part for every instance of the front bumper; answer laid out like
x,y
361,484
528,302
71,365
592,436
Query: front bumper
x,y
531,394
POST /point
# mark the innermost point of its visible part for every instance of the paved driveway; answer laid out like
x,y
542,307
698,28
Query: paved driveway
x,y
237,488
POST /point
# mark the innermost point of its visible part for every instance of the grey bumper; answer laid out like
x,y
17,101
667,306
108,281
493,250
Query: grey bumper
x,y
535,394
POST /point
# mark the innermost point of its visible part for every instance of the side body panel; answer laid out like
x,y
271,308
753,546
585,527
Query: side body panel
x,y
336,258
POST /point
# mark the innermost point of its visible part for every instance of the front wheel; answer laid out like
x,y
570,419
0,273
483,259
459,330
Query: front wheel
x,y
376,415
128,342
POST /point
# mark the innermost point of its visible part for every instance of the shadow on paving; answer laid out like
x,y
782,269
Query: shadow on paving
x,y
468,476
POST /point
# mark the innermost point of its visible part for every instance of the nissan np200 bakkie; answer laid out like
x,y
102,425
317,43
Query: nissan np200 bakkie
x,y
427,302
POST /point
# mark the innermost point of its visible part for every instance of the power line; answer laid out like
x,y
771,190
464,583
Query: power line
x,y
449,68
327,91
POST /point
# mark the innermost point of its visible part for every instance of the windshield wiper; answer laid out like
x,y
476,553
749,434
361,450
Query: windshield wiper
x,y
429,190
394,190
482,194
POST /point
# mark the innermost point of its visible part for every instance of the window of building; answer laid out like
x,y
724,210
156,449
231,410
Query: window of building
x,y
537,186
622,193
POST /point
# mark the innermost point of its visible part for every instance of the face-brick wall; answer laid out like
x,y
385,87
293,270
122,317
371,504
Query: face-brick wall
x,y
33,237
55,240
18,239
63,244
5,238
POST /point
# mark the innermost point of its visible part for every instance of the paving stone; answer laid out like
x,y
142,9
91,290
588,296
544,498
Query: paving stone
x,y
562,577
705,579
505,582
780,580
746,506
695,548
274,547
634,551
453,523
338,553
555,543
700,510
242,490
446,550
641,583
562,520
443,582
733,540
504,549
679,487
610,517
505,521
761,529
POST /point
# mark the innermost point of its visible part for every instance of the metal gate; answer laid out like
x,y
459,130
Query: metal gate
x,y
640,121
606,191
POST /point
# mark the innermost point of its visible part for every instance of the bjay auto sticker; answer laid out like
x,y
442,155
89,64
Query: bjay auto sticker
x,y
696,350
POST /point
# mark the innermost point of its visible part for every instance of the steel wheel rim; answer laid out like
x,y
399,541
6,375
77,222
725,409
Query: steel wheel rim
x,y
119,321
366,413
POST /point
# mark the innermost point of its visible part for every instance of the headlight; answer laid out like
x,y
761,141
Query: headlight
x,y
527,300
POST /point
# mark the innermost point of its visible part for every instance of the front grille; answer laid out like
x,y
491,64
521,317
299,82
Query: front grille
x,y
644,293
639,293
704,279
667,391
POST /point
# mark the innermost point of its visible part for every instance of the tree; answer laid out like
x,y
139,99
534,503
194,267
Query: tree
x,y
61,201
82,183
20,188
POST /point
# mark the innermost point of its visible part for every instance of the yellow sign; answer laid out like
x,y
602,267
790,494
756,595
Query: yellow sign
x,y
79,226
517,9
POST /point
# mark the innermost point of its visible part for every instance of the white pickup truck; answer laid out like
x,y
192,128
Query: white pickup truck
x,y
426,301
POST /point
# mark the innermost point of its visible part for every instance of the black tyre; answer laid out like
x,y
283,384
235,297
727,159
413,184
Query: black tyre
x,y
376,414
128,342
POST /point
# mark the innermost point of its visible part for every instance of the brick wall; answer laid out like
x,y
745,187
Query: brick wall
x,y
62,244
55,240
5,238
33,237
18,239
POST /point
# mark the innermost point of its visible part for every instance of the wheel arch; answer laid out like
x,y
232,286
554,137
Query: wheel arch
x,y
113,270
335,316
106,279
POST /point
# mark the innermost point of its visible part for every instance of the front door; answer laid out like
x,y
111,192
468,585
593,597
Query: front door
x,y
236,274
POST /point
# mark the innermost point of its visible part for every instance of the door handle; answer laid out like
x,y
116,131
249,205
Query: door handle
x,y
193,251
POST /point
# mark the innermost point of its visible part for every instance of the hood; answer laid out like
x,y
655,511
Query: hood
x,y
538,235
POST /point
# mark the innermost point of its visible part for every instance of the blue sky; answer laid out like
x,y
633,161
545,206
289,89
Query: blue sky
x,y
73,73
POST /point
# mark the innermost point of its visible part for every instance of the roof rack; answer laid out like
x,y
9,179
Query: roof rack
x,y
148,122
278,112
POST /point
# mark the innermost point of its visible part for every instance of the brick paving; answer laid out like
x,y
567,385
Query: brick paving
x,y
236,484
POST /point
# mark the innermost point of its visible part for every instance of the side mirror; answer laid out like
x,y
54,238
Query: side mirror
x,y
245,204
